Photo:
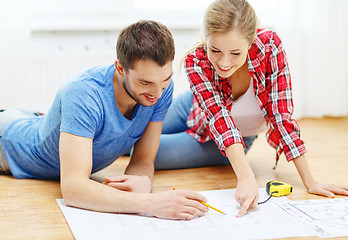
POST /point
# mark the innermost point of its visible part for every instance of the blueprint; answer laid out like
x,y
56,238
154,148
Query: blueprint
x,y
267,221
327,218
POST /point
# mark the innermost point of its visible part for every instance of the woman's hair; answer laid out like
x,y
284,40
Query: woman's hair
x,y
145,40
226,15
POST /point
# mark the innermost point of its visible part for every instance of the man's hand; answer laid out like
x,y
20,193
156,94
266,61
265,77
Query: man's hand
x,y
178,204
130,183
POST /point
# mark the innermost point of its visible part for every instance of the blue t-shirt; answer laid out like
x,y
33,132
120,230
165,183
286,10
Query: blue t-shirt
x,y
85,107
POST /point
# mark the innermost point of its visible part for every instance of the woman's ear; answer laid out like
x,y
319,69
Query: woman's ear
x,y
119,67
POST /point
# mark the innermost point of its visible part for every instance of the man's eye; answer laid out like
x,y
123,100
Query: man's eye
x,y
144,83
215,51
236,54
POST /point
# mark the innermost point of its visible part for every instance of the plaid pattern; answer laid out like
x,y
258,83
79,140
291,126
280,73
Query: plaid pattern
x,y
210,113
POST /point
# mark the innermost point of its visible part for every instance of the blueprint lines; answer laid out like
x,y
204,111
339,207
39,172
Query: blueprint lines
x,y
328,218
259,223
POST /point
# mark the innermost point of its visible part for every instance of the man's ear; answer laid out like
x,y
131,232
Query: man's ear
x,y
119,68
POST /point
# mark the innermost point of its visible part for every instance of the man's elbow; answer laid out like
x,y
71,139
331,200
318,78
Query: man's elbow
x,y
70,193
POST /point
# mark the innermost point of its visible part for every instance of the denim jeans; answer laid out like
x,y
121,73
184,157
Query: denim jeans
x,y
6,118
180,150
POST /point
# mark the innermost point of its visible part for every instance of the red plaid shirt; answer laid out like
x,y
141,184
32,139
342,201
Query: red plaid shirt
x,y
210,116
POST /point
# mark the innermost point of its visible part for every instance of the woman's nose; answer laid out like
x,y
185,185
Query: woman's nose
x,y
224,61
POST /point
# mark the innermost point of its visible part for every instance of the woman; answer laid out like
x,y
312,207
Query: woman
x,y
241,85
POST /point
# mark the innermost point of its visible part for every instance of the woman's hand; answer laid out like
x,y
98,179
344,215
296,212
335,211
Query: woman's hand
x,y
326,190
247,195
314,187
130,183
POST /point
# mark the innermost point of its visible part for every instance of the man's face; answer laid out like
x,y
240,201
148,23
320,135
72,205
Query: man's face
x,y
146,81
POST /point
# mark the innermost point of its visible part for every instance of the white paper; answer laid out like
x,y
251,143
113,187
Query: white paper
x,y
327,218
267,221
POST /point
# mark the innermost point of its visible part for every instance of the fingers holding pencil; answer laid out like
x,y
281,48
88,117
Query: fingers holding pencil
x,y
207,205
213,208
194,200
180,204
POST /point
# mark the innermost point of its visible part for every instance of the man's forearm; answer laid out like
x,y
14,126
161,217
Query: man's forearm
x,y
140,168
92,195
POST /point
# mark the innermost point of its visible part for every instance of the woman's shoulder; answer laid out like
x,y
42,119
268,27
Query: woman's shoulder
x,y
199,52
264,42
266,37
199,56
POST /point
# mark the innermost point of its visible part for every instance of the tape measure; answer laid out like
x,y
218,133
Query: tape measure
x,y
277,189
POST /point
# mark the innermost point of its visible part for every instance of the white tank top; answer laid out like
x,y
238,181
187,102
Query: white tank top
x,y
247,115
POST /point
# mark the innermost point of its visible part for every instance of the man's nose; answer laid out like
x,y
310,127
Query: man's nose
x,y
157,91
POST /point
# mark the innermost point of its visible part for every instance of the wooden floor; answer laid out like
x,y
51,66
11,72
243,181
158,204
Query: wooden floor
x,y
28,208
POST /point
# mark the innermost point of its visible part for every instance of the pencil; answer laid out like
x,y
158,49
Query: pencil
x,y
206,204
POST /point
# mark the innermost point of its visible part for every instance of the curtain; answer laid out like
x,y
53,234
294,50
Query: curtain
x,y
316,41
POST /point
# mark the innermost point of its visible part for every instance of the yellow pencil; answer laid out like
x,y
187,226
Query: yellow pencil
x,y
212,207
206,204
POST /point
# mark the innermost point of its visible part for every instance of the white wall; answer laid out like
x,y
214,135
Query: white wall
x,y
44,43
47,42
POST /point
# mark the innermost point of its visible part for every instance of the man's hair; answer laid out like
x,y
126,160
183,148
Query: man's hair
x,y
145,40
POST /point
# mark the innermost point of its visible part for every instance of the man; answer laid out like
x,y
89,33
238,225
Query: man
x,y
96,118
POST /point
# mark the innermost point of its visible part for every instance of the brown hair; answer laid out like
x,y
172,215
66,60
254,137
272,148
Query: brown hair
x,y
226,15
145,40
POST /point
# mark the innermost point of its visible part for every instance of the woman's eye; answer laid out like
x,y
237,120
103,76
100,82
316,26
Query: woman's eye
x,y
236,54
215,51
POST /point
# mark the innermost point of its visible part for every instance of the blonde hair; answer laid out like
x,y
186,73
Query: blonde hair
x,y
227,15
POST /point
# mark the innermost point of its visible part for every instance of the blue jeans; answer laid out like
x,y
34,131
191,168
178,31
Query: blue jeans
x,y
178,149
7,117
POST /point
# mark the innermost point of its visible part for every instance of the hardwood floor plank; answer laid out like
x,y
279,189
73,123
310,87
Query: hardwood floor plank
x,y
28,208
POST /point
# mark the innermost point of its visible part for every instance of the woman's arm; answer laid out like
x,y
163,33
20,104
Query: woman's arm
x,y
218,122
314,187
247,194
286,130
222,129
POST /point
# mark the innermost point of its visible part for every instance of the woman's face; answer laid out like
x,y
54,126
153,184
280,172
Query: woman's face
x,y
227,51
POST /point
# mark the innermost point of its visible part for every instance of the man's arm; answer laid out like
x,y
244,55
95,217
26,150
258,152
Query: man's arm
x,y
145,150
140,170
80,191
77,188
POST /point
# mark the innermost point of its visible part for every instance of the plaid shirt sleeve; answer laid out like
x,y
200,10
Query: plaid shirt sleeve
x,y
284,133
221,126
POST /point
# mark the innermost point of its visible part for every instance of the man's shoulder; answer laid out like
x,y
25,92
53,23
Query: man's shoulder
x,y
98,75
89,80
